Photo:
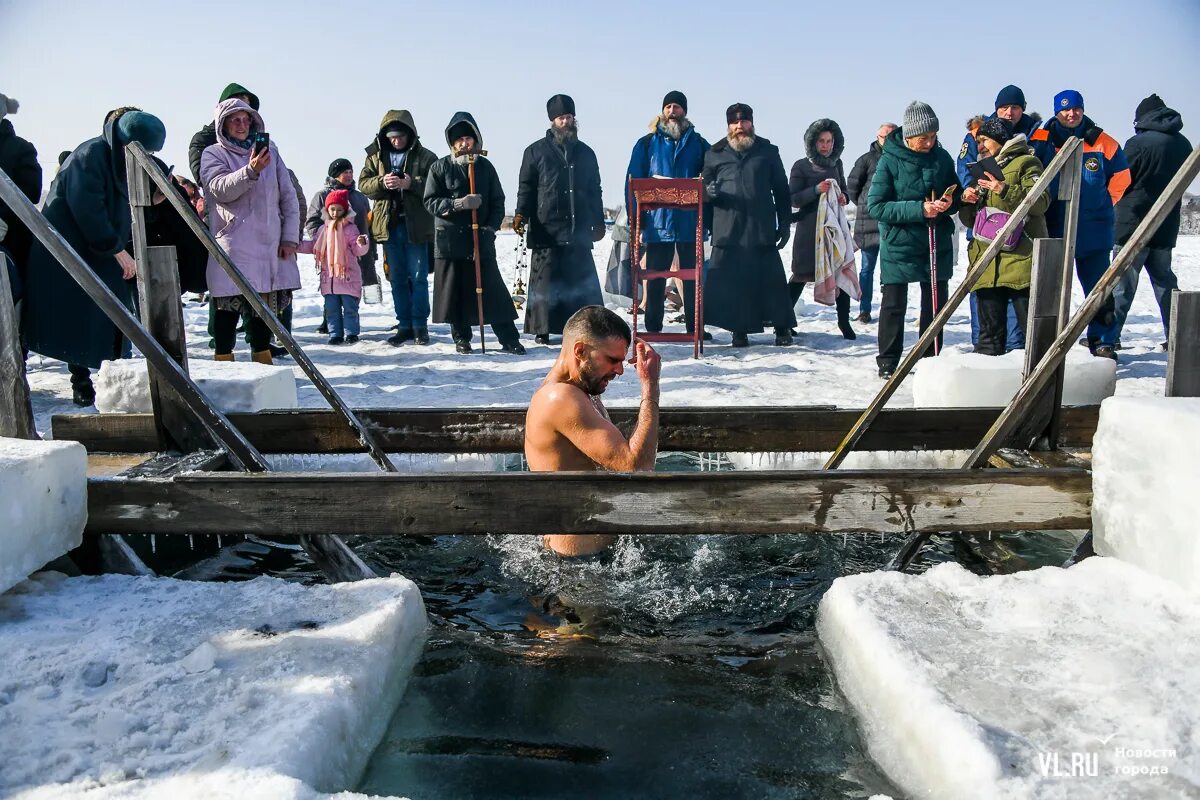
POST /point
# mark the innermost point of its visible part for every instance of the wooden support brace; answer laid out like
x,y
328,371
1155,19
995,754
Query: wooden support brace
x,y
1183,347
16,409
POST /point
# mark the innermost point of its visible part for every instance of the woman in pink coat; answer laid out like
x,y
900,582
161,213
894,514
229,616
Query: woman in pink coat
x,y
253,213
337,249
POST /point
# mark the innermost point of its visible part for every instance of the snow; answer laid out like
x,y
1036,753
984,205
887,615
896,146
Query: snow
x,y
856,459
124,386
1017,686
138,687
1145,481
960,379
43,504
823,369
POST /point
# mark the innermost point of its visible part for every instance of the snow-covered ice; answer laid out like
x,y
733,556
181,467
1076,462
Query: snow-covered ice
x,y
124,386
1145,482
43,504
1022,686
960,379
856,459
127,687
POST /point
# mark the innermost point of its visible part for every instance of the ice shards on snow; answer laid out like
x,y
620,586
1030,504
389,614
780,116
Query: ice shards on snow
x,y
154,687
43,504
124,386
969,380
1050,683
1145,482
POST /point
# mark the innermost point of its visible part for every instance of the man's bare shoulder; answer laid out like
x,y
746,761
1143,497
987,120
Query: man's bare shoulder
x,y
557,402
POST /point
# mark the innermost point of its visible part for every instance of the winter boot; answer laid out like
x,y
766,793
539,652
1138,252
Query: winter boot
x,y
462,346
843,316
402,335
1104,351
783,338
542,338
740,340
514,348
223,357
863,318
422,336
261,357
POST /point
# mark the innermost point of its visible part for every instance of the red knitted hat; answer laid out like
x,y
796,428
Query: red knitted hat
x,y
339,197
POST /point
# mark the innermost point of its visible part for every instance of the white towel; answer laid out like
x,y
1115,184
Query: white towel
x,y
835,251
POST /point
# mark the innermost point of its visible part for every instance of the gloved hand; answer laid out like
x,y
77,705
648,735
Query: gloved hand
x,y
518,225
468,202
598,231
781,237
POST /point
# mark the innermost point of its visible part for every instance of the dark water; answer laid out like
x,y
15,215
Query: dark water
x,y
672,667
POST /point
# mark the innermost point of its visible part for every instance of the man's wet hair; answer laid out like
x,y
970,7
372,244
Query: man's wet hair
x,y
595,324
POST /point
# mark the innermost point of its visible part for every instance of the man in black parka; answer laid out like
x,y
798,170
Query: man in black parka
x,y
748,189
560,204
1155,153
448,197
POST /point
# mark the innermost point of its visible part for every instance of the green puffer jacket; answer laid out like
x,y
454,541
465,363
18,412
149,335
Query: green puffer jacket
x,y
903,181
1021,170
385,203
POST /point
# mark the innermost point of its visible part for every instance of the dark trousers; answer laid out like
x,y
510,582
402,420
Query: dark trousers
x,y
842,303
992,305
505,331
224,328
659,256
892,310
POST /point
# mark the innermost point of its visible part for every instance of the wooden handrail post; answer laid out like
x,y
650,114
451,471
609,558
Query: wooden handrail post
x,y
1041,328
16,409
1019,406
956,297
1183,347
1070,183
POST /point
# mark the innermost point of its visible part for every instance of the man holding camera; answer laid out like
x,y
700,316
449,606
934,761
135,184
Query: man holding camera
x,y
393,177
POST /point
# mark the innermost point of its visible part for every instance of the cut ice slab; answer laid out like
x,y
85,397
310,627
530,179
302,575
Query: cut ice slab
x,y
957,379
43,505
1052,683
124,386
121,686
1145,483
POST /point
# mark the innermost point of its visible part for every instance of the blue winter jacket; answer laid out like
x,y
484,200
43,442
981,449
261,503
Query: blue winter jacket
x,y
1105,179
657,154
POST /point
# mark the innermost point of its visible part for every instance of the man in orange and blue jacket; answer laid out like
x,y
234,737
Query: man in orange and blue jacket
x,y
1105,179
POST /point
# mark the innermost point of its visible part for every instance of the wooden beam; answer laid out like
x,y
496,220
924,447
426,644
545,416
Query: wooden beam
x,y
925,340
1041,328
1020,405
1183,347
880,501
1070,184
16,410
502,430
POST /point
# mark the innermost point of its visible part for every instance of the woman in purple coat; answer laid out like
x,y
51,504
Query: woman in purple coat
x,y
253,213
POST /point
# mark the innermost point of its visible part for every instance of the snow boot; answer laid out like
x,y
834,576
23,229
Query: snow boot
x,y
422,336
261,357
740,340
843,316
223,357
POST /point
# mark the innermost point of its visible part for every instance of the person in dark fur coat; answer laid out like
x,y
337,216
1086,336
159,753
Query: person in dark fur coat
x,y
810,178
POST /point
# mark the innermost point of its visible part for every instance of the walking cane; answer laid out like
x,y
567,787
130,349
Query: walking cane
x,y
933,281
478,264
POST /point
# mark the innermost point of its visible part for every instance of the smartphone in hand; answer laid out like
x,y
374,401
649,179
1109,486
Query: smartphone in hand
x,y
262,140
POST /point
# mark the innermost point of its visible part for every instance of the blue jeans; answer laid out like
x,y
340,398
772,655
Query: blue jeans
x,y
1157,262
341,312
408,271
1016,334
1102,330
866,278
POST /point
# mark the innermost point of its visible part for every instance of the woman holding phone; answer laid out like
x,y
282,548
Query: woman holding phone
x,y
987,202
913,193
255,217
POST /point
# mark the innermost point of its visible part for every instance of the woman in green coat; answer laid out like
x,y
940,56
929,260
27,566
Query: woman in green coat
x,y
915,187
1007,277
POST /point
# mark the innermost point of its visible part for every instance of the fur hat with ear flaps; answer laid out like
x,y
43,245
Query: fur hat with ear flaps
x,y
810,142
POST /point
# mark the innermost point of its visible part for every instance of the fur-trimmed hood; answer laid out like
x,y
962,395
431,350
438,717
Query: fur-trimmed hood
x,y
810,142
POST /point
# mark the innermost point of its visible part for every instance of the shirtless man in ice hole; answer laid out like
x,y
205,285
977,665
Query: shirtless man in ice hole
x,y
567,427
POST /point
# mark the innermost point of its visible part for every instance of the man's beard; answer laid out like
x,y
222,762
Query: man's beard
x,y
591,380
567,135
674,128
740,141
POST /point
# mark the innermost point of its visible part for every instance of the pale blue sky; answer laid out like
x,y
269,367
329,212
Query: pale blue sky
x,y
326,72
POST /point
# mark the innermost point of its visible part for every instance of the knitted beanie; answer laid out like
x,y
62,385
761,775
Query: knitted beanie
x,y
1151,103
558,105
1067,98
919,119
996,129
1010,96
143,128
339,197
738,111
675,97
339,166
